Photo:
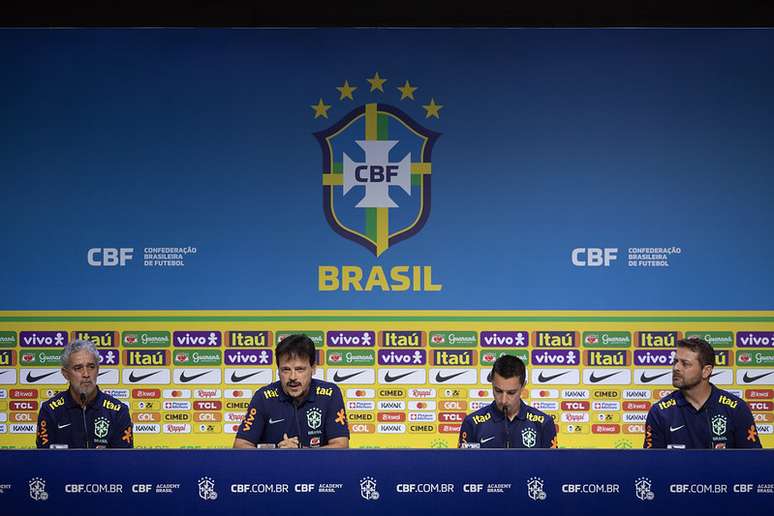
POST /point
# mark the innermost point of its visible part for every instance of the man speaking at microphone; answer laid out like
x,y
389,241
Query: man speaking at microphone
x,y
298,411
83,416
508,422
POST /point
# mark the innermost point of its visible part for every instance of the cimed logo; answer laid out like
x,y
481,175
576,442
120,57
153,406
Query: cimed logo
x,y
38,489
101,427
314,418
368,489
377,164
643,489
535,489
207,489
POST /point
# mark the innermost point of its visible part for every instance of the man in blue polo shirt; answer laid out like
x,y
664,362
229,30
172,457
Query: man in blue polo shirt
x,y
83,416
508,422
698,414
298,411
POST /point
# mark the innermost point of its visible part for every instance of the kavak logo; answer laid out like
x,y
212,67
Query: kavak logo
x,y
378,147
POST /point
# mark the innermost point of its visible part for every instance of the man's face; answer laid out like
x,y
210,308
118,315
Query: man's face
x,y
82,372
507,392
687,371
295,375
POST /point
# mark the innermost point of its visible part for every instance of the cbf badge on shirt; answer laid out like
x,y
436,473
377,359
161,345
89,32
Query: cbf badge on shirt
x,y
718,425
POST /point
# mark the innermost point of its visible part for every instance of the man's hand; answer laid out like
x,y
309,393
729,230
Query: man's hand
x,y
288,442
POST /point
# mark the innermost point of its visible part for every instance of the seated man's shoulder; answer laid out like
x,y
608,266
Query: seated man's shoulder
x,y
55,403
536,415
481,415
111,403
668,402
325,389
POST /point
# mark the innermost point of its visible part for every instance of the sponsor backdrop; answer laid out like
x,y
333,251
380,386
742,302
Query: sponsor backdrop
x,y
408,378
609,482
418,201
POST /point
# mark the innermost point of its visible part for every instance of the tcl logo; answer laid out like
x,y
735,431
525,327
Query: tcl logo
x,y
109,256
575,405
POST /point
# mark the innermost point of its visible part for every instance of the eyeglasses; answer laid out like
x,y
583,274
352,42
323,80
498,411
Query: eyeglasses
x,y
79,368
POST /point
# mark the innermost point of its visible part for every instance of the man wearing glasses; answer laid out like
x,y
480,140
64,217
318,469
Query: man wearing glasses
x,y
83,416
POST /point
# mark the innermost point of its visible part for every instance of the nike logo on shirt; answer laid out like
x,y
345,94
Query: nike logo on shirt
x,y
483,441
63,426
676,428
275,421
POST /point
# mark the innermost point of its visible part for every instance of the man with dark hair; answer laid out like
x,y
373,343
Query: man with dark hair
x,y
298,411
83,416
698,414
508,422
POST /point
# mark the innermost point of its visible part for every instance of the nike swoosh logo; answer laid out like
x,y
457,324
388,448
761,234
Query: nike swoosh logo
x,y
274,421
543,379
103,372
63,426
3,372
389,378
33,379
133,378
238,378
715,374
483,441
441,379
648,379
675,429
338,378
594,378
745,378
184,378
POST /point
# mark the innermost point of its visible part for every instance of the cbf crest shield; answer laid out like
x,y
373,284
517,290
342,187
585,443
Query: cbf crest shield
x,y
376,172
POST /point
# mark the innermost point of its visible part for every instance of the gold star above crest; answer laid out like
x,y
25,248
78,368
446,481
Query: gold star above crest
x,y
407,91
346,91
321,109
377,83
432,109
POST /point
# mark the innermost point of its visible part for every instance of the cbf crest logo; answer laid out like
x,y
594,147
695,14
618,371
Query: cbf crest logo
x,y
719,425
528,437
101,427
535,489
368,489
314,418
377,165
643,489
38,489
207,489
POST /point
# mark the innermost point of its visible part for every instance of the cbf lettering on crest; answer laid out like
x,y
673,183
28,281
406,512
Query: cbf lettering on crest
x,y
400,278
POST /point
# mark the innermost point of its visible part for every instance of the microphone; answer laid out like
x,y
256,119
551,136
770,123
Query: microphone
x,y
505,425
83,412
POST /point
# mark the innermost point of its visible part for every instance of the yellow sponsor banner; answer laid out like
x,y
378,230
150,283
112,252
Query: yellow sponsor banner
x,y
596,373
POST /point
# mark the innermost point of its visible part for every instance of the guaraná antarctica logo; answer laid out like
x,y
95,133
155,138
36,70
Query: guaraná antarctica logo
x,y
376,166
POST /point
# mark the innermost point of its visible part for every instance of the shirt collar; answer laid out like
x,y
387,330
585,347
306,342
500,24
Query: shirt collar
x,y
681,401
498,415
311,397
71,403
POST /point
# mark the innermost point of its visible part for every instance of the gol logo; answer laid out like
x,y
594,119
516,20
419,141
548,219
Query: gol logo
x,y
377,164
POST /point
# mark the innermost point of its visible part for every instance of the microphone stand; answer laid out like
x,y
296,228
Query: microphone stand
x,y
83,412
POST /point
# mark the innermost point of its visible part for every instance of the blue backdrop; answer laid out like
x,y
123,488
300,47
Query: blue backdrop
x,y
551,140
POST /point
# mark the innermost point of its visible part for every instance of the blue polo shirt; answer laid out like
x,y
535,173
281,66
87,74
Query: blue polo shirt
x,y
488,428
61,423
724,421
318,419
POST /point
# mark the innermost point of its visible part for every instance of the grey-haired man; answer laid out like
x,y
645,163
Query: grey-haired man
x,y
83,416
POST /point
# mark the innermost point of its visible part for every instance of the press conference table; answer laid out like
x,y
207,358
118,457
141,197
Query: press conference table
x,y
384,481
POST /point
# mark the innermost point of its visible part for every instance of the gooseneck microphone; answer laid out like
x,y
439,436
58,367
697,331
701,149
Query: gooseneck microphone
x,y
83,412
505,425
